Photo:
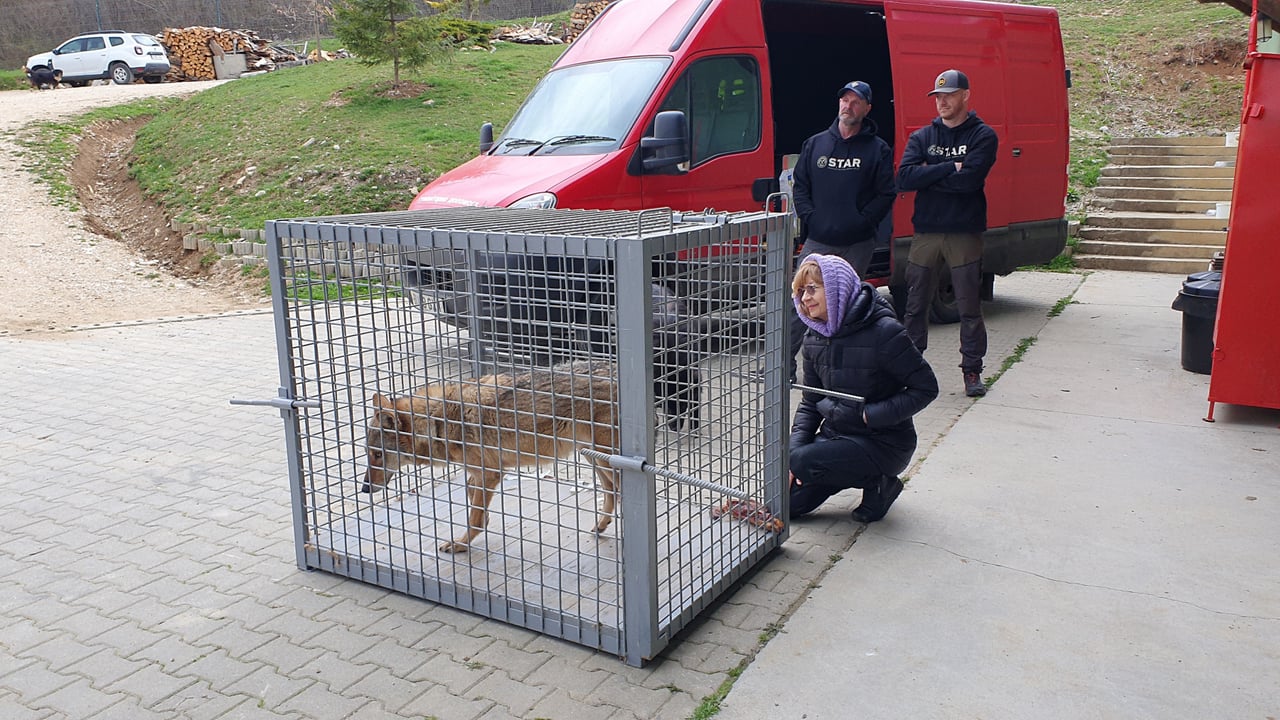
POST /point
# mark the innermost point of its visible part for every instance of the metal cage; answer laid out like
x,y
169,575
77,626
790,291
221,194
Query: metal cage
x,y
517,363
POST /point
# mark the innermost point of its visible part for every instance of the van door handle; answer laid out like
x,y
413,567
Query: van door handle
x,y
1017,152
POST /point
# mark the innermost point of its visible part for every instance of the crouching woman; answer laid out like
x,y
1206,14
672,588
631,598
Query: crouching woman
x,y
855,346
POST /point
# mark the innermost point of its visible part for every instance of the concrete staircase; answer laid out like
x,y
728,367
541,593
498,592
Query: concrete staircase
x,y
1155,206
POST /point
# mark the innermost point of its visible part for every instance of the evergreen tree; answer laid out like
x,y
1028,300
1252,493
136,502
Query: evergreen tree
x,y
381,30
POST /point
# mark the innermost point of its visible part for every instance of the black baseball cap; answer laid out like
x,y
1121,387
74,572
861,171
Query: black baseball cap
x,y
857,86
950,81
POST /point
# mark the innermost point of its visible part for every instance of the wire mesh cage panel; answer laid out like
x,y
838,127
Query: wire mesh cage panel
x,y
572,421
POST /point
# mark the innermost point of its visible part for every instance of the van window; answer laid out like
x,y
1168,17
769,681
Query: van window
x,y
721,98
583,109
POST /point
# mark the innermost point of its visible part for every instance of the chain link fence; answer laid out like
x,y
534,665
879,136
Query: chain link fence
x,y
32,26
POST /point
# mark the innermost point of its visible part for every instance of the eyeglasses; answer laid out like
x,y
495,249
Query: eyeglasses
x,y
810,289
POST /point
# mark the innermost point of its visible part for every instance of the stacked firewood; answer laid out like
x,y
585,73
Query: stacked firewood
x,y
582,14
537,33
191,51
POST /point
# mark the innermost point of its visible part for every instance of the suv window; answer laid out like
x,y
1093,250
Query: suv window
x,y
145,40
116,41
94,43
72,46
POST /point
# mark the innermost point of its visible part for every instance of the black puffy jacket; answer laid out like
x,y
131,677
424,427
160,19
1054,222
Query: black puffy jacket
x,y
870,356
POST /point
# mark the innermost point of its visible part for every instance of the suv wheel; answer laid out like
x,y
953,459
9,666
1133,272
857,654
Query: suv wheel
x,y
152,79
121,74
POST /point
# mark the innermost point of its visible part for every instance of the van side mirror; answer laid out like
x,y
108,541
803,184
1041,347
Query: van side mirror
x,y
668,148
486,137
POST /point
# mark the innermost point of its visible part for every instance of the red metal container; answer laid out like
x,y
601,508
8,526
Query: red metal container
x,y
1246,356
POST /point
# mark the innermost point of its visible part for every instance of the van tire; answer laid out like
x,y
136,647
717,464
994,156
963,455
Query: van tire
x,y
943,310
121,74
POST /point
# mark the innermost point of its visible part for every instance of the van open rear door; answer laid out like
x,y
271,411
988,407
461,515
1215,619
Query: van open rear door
x,y
1013,57
926,38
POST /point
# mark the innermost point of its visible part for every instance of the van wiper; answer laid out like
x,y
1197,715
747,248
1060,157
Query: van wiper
x,y
519,142
572,140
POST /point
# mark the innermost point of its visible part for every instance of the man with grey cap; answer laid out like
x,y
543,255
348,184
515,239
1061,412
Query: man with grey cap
x,y
946,162
843,189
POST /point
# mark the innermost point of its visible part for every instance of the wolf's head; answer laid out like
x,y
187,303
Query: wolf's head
x,y
400,432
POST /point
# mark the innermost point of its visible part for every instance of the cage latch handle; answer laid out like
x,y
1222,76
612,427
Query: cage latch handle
x,y
280,403
639,464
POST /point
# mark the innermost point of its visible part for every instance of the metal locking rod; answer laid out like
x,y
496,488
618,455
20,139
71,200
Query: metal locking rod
x,y
280,403
624,462
832,393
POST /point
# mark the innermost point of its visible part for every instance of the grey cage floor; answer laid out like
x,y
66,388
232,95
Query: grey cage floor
x,y
539,548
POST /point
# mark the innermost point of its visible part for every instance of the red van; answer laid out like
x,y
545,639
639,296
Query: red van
x,y
740,84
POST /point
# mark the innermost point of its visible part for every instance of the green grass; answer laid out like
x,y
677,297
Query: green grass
x,y
710,705
1013,358
49,158
1061,264
321,139
1059,306
1119,55
13,80
314,288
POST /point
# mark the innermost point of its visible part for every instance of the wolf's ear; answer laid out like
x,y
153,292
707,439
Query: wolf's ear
x,y
386,415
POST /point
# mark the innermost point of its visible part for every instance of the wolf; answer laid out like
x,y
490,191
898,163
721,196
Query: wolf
x,y
496,423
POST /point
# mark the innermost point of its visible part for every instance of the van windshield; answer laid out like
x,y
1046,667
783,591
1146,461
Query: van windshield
x,y
584,109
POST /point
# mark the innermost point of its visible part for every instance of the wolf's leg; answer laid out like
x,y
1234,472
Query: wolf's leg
x,y
479,494
606,477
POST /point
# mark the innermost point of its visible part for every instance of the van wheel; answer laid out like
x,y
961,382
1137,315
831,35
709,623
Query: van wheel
x,y
121,74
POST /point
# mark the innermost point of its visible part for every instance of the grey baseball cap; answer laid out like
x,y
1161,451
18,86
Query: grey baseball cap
x,y
857,86
950,81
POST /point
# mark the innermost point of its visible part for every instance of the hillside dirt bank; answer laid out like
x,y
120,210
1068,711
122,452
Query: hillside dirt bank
x,y
115,259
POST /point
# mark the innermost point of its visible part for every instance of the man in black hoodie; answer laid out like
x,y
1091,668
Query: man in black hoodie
x,y
946,162
843,189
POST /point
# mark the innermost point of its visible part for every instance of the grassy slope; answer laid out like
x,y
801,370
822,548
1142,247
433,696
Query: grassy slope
x,y
1135,72
320,139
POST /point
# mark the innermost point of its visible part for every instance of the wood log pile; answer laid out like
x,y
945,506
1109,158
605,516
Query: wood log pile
x,y
191,51
538,33
582,14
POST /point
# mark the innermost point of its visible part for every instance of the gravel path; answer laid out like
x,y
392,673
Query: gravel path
x,y
56,274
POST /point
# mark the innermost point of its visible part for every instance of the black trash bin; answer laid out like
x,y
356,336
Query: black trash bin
x,y
1198,301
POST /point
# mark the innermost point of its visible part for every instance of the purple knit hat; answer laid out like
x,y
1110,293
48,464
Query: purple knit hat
x,y
840,282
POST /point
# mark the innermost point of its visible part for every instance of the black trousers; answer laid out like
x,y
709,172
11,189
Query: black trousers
x,y
826,466
963,254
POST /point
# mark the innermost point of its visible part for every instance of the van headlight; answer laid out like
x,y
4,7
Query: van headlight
x,y
542,200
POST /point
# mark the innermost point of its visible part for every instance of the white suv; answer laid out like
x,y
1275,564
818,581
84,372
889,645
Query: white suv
x,y
119,56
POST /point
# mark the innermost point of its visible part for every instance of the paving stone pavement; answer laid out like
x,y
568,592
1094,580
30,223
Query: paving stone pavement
x,y
147,564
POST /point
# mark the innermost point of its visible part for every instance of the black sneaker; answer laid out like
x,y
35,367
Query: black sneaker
x,y
876,502
973,386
